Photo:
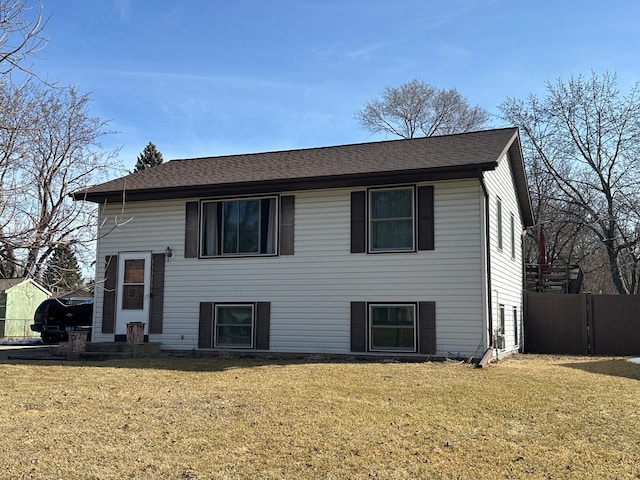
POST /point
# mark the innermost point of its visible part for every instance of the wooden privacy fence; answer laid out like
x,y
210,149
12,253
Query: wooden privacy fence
x,y
582,324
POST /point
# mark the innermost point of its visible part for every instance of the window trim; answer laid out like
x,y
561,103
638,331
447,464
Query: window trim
x,y
414,214
499,225
222,200
216,306
512,226
371,306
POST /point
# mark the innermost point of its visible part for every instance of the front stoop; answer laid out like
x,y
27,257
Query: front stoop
x,y
115,351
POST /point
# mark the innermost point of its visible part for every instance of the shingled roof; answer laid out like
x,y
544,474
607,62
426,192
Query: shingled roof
x,y
421,159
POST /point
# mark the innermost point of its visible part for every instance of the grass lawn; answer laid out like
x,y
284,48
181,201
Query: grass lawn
x,y
179,418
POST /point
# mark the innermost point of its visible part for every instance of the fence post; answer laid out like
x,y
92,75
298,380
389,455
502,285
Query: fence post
x,y
590,333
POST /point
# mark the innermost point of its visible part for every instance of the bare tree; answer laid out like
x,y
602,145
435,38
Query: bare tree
x,y
54,150
418,109
49,147
582,144
21,36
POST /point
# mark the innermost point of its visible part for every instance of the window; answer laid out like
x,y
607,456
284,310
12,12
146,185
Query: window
x,y
499,222
133,284
512,231
234,326
239,227
391,220
392,328
3,305
515,325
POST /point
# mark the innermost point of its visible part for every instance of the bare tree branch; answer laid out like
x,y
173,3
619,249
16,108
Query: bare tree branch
x,y
415,107
21,29
582,148
50,149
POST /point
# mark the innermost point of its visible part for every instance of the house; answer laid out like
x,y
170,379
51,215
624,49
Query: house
x,y
403,247
19,298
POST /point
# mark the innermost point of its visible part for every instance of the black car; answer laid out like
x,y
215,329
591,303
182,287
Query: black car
x,y
56,317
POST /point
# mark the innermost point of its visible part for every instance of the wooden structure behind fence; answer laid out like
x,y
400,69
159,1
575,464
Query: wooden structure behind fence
x,y
582,324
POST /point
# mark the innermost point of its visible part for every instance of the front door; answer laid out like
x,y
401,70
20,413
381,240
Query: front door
x,y
134,281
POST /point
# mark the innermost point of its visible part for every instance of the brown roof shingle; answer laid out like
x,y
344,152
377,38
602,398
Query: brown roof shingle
x,y
449,156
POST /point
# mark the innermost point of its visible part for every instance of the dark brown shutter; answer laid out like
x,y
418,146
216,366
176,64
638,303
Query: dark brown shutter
x,y
358,222
191,230
205,325
287,218
109,293
358,327
263,325
427,327
157,293
425,218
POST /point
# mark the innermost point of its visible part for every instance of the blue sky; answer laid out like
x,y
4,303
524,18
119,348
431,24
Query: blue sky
x,y
202,78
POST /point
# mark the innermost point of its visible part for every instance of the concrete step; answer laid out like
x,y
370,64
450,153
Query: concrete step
x,y
101,351
133,349
98,356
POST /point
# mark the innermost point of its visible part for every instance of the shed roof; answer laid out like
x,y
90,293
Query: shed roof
x,y
419,159
7,284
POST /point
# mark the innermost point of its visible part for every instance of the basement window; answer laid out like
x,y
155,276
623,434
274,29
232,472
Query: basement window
x,y
234,326
392,328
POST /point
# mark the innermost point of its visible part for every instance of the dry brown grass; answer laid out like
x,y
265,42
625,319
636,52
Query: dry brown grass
x,y
175,418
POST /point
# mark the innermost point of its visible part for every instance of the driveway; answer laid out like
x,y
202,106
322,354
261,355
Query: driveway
x,y
25,352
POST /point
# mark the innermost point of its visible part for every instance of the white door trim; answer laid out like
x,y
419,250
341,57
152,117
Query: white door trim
x,y
124,315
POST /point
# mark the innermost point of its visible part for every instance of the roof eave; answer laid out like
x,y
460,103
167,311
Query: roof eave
x,y
514,149
277,185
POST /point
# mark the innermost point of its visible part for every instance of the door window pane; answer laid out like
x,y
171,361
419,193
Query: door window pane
x,y
134,271
133,284
133,297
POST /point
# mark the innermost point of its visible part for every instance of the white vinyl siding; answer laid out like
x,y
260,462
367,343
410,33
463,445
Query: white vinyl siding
x,y
506,263
310,292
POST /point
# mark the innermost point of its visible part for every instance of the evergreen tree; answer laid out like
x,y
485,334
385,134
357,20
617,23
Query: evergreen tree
x,y
150,157
7,261
63,272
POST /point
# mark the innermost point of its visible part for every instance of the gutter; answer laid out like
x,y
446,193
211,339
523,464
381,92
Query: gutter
x,y
118,191
488,354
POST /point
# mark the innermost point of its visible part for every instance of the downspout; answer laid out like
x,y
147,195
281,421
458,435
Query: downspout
x,y
488,355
